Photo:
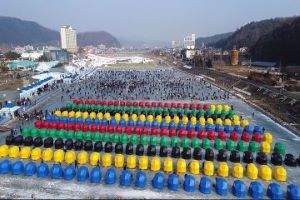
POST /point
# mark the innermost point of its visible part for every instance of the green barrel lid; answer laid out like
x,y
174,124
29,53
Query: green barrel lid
x,y
153,140
230,145
43,132
195,142
185,142
144,140
69,105
115,138
133,139
174,141
206,143
70,134
173,110
179,110
86,106
97,137
111,108
194,112
124,138
80,106
187,111
118,108
88,135
279,148
61,134
105,108
52,133
79,135
242,146
35,132
163,141
139,110
99,108
253,146
202,112
26,132
93,107
125,109
219,144
106,137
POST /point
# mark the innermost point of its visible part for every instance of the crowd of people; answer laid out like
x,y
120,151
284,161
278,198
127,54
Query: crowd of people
x,y
159,84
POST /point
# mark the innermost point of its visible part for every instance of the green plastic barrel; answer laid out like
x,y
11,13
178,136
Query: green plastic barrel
x,y
195,143
115,138
206,143
174,141
88,136
43,133
163,141
253,147
97,137
34,132
52,133
279,148
219,144
61,134
230,145
79,135
242,146
185,142
133,139
70,134
26,132
153,140
106,137
144,140
69,105
124,138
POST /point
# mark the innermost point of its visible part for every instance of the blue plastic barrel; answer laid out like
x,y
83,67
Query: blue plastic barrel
x,y
97,121
110,176
17,168
30,169
147,124
5,166
221,186
172,125
227,129
198,127
205,185
293,192
163,124
95,176
237,129
218,128
154,124
256,190
82,174
88,121
125,178
208,127
139,123
173,182
248,129
140,180
104,122
239,188
274,191
122,122
158,181
42,170
69,172
180,125
56,171
113,122
189,126
189,183
130,123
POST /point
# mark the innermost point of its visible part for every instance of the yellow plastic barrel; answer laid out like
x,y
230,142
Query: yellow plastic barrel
x,y
155,164
119,161
181,166
268,138
3,150
265,147
143,163
265,173
70,157
252,171
279,173
25,153
47,154
58,156
100,115
131,161
237,170
208,168
82,157
36,153
94,158
223,169
13,152
106,160
195,167
168,165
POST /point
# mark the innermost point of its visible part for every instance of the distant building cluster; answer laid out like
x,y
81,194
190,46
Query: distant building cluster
x,y
189,42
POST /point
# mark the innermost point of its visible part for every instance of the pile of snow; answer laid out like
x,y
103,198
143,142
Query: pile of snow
x,y
45,66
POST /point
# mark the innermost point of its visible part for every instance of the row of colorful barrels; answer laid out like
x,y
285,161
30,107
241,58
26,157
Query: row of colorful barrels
x,y
94,117
209,132
173,141
116,103
139,180
156,163
148,149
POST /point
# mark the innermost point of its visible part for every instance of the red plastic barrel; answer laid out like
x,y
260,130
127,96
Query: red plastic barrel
x,y
116,103
61,125
159,104
172,132
181,133
211,135
163,131
173,105
147,104
154,131
85,127
192,106
135,104
185,105
128,130
201,134
77,127
191,134
144,131
245,137
102,128
93,101
38,124
53,125
70,126
94,128
198,106
122,103
137,130
222,135
234,136
256,137
128,103
119,129
110,129
104,102
141,104
153,104
166,105
179,105
205,107
86,101
109,103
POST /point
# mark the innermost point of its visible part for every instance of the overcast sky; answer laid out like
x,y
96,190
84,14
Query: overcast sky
x,y
162,20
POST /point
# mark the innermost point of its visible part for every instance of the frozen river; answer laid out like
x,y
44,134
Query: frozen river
x,y
28,187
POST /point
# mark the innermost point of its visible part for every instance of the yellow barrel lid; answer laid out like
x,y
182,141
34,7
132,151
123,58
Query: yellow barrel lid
x,y
58,156
223,169
36,153
13,152
3,150
106,160
155,164
181,166
70,157
82,157
94,158
47,154
131,162
143,163
119,160
208,168
194,167
252,171
265,147
279,173
25,153
265,172
168,165
268,137
237,170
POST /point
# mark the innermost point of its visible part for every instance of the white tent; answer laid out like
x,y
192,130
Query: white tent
x,y
7,111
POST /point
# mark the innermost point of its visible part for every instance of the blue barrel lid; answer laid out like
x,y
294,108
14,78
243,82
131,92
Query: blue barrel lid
x,y
139,123
293,192
205,185
140,180
158,181
189,126
42,170
96,175
125,178
239,188
69,172
173,182
198,127
30,169
113,122
82,174
123,122
172,125
180,125
163,124
256,190
110,176
221,186
56,171
275,191
17,168
147,124
130,123
189,183
5,166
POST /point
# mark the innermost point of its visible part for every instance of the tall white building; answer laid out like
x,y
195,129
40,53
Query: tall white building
x,y
189,42
68,38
